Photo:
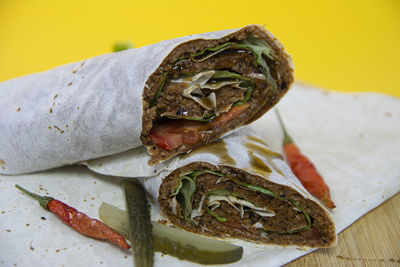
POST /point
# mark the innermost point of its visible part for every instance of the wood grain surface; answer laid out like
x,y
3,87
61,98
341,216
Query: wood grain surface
x,y
373,240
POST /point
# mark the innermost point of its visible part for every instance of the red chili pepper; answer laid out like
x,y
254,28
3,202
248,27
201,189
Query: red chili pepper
x,y
78,220
305,170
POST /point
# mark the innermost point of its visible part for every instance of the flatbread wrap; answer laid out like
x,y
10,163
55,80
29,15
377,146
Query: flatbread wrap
x,y
238,189
171,96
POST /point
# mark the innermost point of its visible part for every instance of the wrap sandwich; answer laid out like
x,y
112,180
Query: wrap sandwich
x,y
171,97
238,189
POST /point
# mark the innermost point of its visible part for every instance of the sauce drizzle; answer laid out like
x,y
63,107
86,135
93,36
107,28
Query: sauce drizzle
x,y
257,165
218,148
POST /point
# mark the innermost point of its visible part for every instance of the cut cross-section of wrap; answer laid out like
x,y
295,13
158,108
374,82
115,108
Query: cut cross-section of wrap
x,y
235,189
206,88
228,202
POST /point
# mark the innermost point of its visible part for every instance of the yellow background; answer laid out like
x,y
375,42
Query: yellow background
x,y
340,45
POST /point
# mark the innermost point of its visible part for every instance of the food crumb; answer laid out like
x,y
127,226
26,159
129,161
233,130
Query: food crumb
x,y
387,114
57,250
73,71
31,247
92,198
18,109
27,225
70,83
162,221
2,164
43,218
49,127
95,182
125,257
8,230
77,108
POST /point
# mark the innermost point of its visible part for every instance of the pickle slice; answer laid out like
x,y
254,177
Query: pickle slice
x,y
140,227
176,242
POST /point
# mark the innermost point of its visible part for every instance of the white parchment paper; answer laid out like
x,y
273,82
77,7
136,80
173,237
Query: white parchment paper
x,y
352,139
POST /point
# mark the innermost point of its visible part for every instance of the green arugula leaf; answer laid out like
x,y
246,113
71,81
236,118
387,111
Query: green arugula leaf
x,y
272,194
206,117
186,189
219,218
224,74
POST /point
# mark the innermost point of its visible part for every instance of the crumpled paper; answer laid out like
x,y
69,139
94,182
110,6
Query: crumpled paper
x,y
351,138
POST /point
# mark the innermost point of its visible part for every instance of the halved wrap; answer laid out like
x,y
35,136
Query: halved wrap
x,y
171,96
239,189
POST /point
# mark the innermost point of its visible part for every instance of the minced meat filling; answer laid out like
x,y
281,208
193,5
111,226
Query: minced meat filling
x,y
247,214
171,99
165,101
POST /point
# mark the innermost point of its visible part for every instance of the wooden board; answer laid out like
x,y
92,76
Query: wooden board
x,y
373,240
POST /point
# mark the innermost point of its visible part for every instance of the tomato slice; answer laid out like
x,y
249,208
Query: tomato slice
x,y
171,135
175,133
231,114
166,141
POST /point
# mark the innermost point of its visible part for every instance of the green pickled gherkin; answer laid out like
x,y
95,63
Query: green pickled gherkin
x,y
176,242
140,227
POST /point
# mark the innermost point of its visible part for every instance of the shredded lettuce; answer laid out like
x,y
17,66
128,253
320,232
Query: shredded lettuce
x,y
252,43
255,188
210,52
221,74
223,192
260,48
272,194
213,80
186,188
247,95
236,201
160,88
207,117
219,218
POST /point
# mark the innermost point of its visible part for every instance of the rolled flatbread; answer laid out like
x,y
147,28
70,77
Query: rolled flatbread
x,y
171,96
238,189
